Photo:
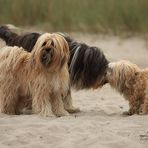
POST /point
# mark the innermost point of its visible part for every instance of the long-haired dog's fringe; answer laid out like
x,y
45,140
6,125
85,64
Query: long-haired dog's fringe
x,y
87,64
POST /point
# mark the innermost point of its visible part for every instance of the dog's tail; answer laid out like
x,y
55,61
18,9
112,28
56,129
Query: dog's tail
x,y
27,41
6,35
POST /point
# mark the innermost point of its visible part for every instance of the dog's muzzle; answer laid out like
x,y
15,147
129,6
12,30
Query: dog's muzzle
x,y
46,57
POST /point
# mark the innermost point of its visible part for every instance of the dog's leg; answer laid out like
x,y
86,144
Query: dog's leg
x,y
67,99
8,101
145,107
134,106
24,105
57,105
41,103
68,103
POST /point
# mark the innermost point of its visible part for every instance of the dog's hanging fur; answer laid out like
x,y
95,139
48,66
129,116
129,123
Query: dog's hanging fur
x,y
87,65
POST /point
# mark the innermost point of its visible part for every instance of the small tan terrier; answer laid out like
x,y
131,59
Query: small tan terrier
x,y
132,82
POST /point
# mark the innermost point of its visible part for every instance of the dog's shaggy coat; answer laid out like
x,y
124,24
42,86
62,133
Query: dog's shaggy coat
x,y
87,65
36,79
131,81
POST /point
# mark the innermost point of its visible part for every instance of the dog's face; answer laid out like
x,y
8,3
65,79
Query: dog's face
x,y
110,75
51,51
100,82
120,73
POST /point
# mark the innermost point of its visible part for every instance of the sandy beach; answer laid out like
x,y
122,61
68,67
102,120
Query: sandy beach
x,y
100,124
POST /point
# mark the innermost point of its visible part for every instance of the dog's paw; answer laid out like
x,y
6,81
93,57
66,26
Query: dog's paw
x,y
62,113
26,111
143,113
47,113
127,113
73,110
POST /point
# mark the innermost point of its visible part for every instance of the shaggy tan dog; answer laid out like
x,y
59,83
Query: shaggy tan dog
x,y
132,82
36,80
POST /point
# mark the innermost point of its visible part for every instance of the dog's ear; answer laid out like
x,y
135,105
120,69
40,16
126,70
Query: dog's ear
x,y
32,61
63,61
46,56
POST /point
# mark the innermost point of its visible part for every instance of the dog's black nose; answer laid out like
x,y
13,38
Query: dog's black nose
x,y
105,81
48,50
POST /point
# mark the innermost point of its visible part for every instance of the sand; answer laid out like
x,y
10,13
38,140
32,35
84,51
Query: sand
x,y
100,124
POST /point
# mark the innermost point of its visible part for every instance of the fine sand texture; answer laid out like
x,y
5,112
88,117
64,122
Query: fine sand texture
x,y
100,124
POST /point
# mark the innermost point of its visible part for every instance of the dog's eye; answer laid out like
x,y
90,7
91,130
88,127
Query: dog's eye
x,y
44,44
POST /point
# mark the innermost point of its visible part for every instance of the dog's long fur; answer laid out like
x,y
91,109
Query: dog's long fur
x,y
36,79
87,65
131,81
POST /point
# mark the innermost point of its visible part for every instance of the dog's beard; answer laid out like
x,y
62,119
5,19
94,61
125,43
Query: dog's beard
x,y
46,57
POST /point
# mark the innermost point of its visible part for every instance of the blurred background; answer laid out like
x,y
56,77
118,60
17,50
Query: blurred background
x,y
100,16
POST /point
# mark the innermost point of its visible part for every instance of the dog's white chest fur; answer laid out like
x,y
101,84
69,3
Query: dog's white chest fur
x,y
57,83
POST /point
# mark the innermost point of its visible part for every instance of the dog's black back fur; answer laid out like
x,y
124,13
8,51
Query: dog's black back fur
x,y
89,65
86,63
27,41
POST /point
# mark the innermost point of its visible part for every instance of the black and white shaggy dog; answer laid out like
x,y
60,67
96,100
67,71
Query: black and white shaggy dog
x,y
87,65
